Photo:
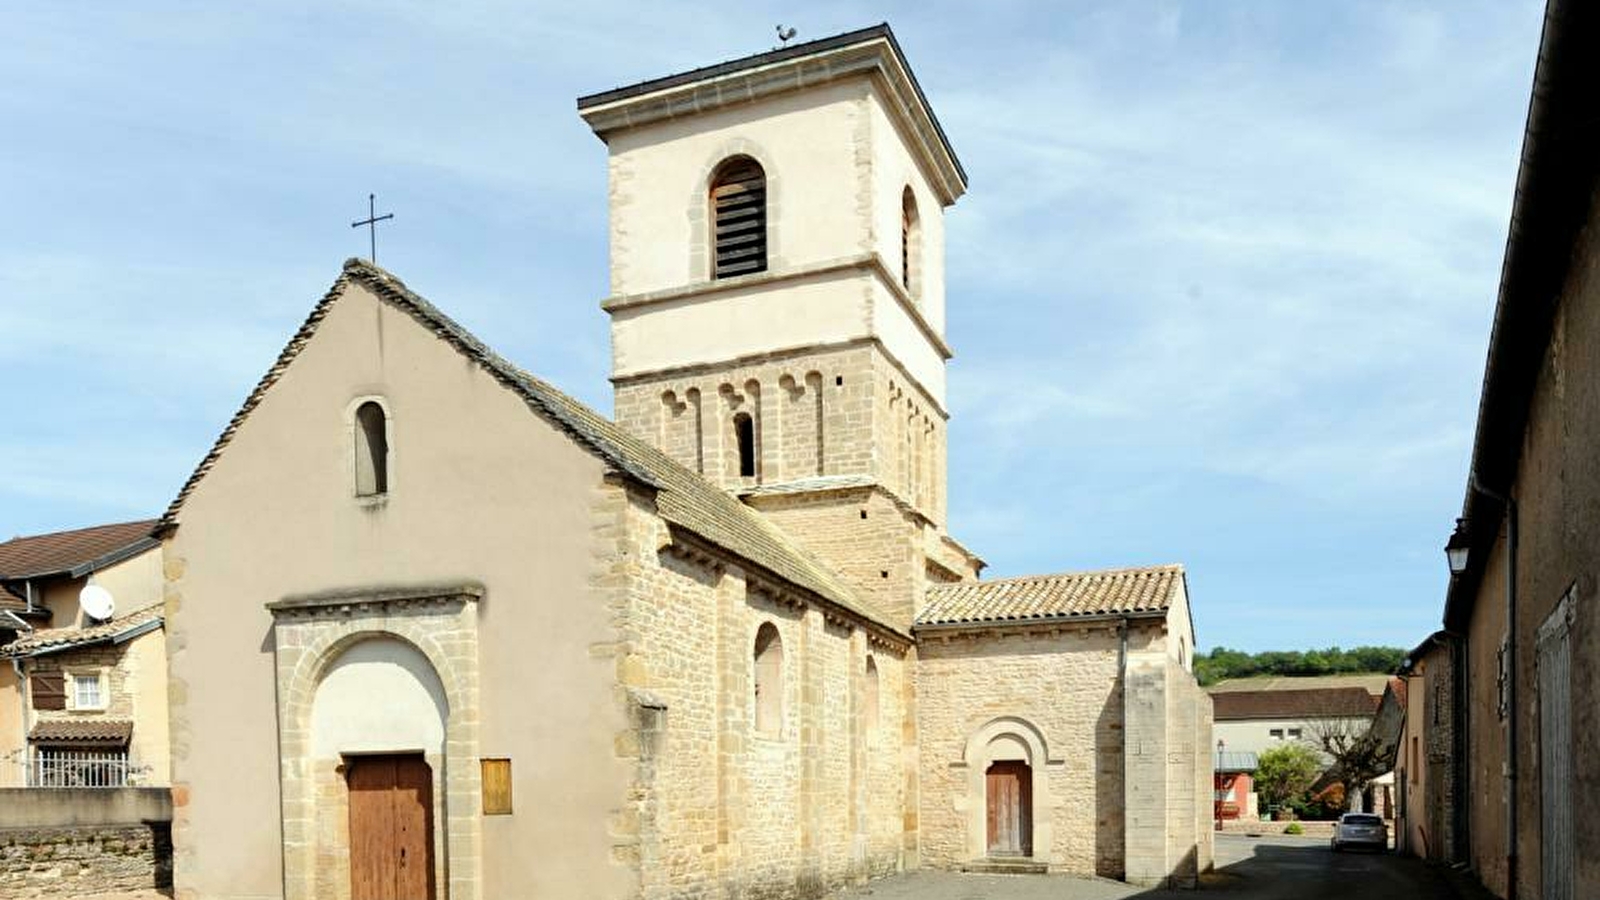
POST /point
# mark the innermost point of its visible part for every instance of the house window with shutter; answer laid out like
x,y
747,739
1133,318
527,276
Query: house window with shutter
x,y
48,691
739,218
88,692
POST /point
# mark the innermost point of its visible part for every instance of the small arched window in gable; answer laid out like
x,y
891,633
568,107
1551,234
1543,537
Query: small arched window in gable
x,y
910,243
870,709
744,434
372,450
739,218
769,679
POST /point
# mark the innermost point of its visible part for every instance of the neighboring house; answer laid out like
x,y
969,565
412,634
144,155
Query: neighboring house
x,y
1256,721
439,628
1234,785
1523,604
1426,773
83,699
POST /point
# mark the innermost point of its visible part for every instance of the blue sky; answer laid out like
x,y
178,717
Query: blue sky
x,y
1219,294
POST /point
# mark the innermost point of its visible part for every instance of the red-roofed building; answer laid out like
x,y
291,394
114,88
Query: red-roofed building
x,y
83,694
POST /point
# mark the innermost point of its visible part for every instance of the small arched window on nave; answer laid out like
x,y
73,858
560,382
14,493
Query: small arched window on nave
x,y
372,450
738,218
910,243
870,704
769,679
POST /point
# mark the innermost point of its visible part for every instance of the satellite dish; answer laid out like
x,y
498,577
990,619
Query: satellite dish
x,y
97,601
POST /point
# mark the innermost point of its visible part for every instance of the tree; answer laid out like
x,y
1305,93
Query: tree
x,y
1286,771
1358,751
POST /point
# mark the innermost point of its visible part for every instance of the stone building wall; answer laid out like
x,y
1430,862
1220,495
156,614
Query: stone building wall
x,y
1063,683
864,536
77,861
826,411
1438,735
133,686
723,809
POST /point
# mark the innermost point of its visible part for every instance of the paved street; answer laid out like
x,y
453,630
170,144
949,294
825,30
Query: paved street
x,y
1266,868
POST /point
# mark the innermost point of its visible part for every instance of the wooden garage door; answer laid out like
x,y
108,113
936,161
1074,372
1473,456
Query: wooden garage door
x,y
391,828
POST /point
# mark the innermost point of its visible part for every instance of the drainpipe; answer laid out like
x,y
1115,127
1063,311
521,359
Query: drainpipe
x,y
22,718
1511,682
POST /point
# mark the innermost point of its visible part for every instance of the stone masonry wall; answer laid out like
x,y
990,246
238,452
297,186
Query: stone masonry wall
x,y
847,410
83,860
865,537
1064,683
723,810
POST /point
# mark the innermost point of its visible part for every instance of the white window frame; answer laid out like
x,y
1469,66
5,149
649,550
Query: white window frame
x,y
102,692
1275,733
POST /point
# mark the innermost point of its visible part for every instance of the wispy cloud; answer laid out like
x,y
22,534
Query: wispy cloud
x,y
1219,292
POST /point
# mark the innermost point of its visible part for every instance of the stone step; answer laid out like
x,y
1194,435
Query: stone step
x,y
1002,865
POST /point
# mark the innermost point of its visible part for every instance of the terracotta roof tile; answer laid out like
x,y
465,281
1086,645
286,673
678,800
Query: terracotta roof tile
x,y
1314,703
10,599
84,731
63,551
1045,597
684,498
51,640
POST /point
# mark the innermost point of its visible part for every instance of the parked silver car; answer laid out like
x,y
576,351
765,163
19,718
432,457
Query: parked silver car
x,y
1360,830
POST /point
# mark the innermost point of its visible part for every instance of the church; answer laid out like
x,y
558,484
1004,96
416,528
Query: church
x,y
437,630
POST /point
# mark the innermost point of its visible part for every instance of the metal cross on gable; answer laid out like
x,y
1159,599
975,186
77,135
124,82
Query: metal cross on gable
x,y
371,221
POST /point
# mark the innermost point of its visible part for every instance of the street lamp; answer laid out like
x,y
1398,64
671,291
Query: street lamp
x,y
1218,780
1456,549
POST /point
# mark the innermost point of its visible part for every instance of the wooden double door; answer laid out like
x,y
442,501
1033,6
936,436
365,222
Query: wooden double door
x,y
1009,791
391,828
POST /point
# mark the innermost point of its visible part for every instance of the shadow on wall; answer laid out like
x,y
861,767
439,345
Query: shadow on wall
x,y
1109,797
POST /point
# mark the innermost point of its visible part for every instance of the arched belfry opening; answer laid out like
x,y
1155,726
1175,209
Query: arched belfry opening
x,y
910,243
739,218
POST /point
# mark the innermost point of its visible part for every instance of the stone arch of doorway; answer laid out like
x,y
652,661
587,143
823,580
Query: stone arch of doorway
x,y
1010,739
310,635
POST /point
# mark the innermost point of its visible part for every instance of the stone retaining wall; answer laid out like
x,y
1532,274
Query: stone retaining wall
x,y
75,861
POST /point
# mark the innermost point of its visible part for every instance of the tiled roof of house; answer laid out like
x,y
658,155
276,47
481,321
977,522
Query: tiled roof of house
x,y
81,731
54,640
67,551
1371,683
684,498
1320,703
11,600
1398,687
1045,597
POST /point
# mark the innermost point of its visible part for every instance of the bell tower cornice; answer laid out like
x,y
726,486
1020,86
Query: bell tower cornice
x,y
871,52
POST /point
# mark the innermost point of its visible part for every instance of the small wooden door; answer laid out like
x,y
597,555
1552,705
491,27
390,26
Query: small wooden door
x,y
391,828
1010,800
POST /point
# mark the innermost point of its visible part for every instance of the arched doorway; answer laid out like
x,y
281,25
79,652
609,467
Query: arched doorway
x,y
1008,798
1009,808
378,720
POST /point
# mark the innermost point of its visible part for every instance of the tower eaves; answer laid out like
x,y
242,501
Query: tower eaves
x,y
862,52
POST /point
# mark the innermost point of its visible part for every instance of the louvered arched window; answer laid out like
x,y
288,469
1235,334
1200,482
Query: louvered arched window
x,y
910,242
739,218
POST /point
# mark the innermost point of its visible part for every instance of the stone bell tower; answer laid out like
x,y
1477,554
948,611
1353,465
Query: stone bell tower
x,y
777,293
